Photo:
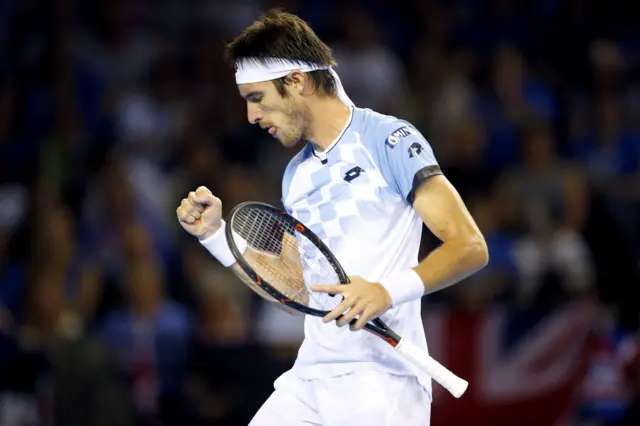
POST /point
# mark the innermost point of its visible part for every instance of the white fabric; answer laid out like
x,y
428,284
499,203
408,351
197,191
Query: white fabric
x,y
371,229
250,70
404,286
370,398
217,245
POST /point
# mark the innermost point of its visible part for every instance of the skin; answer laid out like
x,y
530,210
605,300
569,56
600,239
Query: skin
x,y
305,114
462,253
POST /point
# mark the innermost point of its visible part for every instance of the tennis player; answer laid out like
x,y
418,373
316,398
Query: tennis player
x,y
365,183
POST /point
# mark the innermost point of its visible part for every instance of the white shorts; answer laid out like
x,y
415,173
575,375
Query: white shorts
x,y
367,398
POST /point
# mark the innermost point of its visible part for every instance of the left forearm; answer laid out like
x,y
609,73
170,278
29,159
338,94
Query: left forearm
x,y
462,252
450,263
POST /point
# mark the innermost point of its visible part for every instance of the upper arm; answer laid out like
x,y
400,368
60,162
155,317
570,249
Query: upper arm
x,y
444,213
405,158
409,166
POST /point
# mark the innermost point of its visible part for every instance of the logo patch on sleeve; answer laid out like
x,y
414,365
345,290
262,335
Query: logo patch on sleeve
x,y
394,138
414,150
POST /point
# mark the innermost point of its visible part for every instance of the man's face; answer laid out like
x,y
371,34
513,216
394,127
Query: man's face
x,y
284,117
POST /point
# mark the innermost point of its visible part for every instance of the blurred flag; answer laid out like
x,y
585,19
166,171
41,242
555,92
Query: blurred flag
x,y
524,368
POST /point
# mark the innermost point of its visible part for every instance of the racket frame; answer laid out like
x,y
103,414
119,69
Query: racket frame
x,y
454,384
376,326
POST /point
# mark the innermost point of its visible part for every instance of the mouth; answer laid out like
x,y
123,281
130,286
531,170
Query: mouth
x,y
272,131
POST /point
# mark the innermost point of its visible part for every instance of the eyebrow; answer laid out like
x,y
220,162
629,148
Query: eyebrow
x,y
252,96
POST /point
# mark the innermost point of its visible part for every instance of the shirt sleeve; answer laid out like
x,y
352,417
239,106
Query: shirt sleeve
x,y
405,157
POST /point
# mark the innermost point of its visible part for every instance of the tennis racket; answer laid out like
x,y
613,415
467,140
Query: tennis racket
x,y
280,254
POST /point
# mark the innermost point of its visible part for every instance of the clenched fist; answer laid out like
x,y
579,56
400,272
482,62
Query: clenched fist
x,y
200,214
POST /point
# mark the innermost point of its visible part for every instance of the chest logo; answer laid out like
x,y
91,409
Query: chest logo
x,y
353,173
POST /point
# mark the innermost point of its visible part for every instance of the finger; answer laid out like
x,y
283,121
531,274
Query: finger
x,y
333,289
195,203
203,190
190,208
184,217
364,318
337,311
205,197
349,316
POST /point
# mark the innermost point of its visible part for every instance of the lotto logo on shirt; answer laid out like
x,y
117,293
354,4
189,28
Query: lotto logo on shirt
x,y
394,138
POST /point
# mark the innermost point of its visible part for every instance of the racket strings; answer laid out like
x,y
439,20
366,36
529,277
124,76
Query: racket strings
x,y
319,271
285,258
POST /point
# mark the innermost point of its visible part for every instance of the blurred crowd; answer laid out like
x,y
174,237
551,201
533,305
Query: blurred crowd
x,y
112,110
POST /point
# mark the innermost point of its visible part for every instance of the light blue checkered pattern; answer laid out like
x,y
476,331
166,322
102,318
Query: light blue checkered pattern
x,y
368,225
331,206
318,195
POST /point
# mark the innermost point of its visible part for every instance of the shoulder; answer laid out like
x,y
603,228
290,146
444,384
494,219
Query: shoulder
x,y
381,130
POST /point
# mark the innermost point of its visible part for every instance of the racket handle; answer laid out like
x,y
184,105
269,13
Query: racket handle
x,y
417,356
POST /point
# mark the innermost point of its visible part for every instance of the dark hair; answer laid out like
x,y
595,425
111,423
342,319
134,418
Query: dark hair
x,y
282,35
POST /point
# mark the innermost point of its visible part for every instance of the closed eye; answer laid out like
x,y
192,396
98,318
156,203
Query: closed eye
x,y
254,97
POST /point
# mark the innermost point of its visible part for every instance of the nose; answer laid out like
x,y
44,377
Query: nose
x,y
253,115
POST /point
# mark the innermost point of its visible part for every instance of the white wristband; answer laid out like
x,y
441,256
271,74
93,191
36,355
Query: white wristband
x,y
218,246
404,286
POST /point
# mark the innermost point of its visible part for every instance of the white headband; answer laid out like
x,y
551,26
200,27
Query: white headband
x,y
257,70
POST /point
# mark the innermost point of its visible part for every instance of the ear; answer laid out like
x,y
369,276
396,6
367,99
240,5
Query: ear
x,y
296,80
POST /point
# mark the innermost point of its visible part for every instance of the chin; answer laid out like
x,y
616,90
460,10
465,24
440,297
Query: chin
x,y
290,142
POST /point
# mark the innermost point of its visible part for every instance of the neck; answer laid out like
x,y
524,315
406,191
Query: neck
x,y
329,117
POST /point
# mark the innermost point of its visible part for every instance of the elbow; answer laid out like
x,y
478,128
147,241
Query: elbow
x,y
477,253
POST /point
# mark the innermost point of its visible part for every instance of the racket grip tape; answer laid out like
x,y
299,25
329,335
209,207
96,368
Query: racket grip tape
x,y
418,357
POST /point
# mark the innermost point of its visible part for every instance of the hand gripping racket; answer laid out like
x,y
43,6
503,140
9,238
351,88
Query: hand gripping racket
x,y
280,254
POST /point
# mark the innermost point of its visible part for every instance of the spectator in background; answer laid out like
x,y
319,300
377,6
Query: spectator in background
x,y
149,334
113,48
202,164
110,209
610,152
230,365
361,52
152,119
607,147
514,97
468,170
230,15
550,202
14,205
442,94
151,127
6,111
52,372
208,79
608,390
499,278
